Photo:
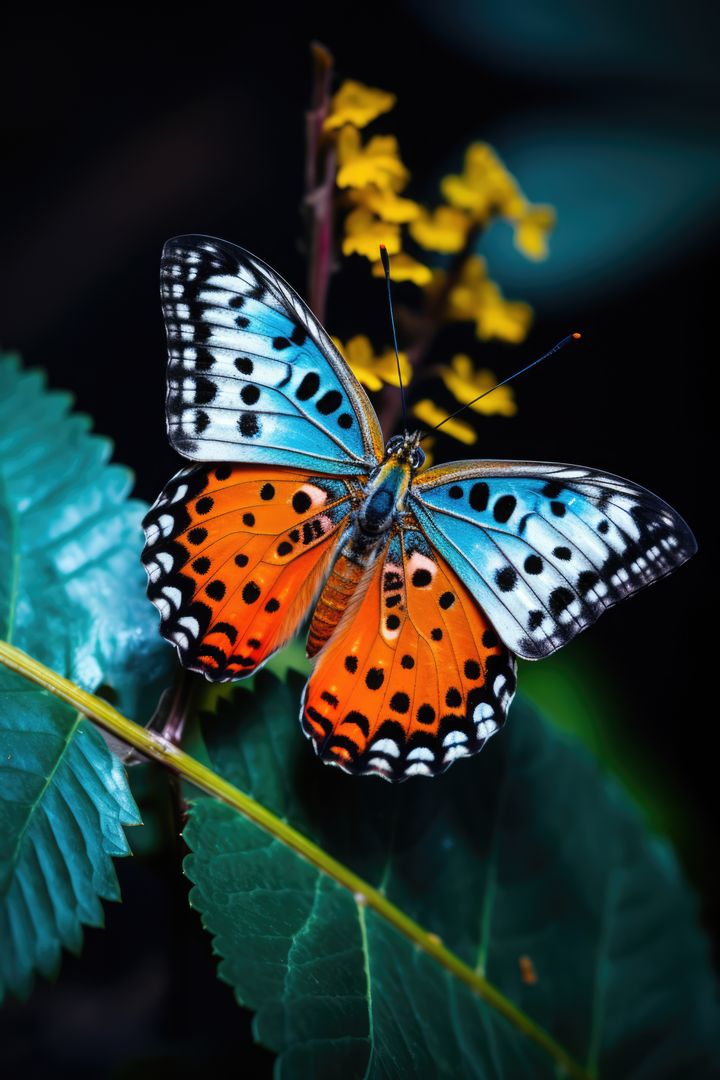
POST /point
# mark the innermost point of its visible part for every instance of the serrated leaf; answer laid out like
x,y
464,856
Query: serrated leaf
x,y
529,864
71,595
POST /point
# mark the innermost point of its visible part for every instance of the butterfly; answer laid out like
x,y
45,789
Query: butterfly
x,y
420,589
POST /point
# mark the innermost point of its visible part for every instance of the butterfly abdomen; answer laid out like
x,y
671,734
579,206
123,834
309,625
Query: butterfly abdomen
x,y
384,495
344,579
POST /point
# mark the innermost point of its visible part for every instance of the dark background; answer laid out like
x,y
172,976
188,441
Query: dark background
x,y
118,136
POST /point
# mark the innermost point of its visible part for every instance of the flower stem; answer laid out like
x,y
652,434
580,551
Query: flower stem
x,y
319,195
155,746
174,707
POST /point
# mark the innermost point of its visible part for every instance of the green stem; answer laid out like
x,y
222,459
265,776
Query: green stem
x,y
155,746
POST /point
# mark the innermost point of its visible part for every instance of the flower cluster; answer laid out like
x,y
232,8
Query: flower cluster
x,y
371,370
370,182
486,190
475,297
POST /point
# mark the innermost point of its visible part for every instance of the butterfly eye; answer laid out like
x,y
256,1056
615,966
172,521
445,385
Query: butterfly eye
x,y
418,458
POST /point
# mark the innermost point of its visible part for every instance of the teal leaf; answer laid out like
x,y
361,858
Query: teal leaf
x,y
528,862
71,595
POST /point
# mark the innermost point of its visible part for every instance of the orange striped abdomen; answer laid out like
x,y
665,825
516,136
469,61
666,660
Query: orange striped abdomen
x,y
339,587
383,497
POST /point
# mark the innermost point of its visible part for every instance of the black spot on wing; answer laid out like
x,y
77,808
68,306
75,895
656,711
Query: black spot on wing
x,y
329,402
249,425
308,387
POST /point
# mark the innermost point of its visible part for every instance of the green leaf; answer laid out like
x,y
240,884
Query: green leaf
x,y
528,851
72,595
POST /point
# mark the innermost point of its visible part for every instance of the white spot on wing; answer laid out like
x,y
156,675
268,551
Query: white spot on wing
x,y
483,712
386,746
486,728
163,607
454,738
166,560
421,753
379,764
455,752
190,624
418,768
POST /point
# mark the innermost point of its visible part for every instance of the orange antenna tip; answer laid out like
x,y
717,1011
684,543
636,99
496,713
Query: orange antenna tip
x,y
385,260
577,336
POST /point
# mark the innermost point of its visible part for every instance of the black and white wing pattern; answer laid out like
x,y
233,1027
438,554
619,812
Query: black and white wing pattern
x,y
252,375
546,548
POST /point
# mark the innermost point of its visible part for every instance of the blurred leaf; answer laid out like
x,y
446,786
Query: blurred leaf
x,y
571,688
72,595
528,862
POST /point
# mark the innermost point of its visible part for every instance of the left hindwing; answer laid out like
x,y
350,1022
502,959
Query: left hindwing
x,y
546,548
235,555
252,375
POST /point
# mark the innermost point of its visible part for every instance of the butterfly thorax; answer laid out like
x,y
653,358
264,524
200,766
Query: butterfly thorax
x,y
385,496
383,503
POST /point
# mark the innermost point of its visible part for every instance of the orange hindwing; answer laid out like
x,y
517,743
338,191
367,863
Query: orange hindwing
x,y
415,677
235,555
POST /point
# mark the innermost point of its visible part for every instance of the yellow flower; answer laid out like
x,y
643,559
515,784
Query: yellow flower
x,y
377,162
477,298
387,369
386,204
532,229
444,230
357,104
358,353
371,370
432,415
364,233
465,383
484,185
405,268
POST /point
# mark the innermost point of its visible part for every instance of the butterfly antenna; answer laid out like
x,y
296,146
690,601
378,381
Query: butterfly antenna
x,y
386,267
556,348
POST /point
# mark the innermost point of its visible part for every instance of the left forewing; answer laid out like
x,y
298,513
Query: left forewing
x,y
252,375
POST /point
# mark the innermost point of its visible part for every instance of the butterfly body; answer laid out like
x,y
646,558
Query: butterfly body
x,y
380,510
419,588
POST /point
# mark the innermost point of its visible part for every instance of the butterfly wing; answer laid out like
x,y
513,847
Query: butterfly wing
x,y
414,677
235,555
546,548
252,375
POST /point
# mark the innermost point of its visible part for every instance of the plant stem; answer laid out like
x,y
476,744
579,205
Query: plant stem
x,y
319,196
173,710
155,746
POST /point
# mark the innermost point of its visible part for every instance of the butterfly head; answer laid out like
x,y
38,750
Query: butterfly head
x,y
406,449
